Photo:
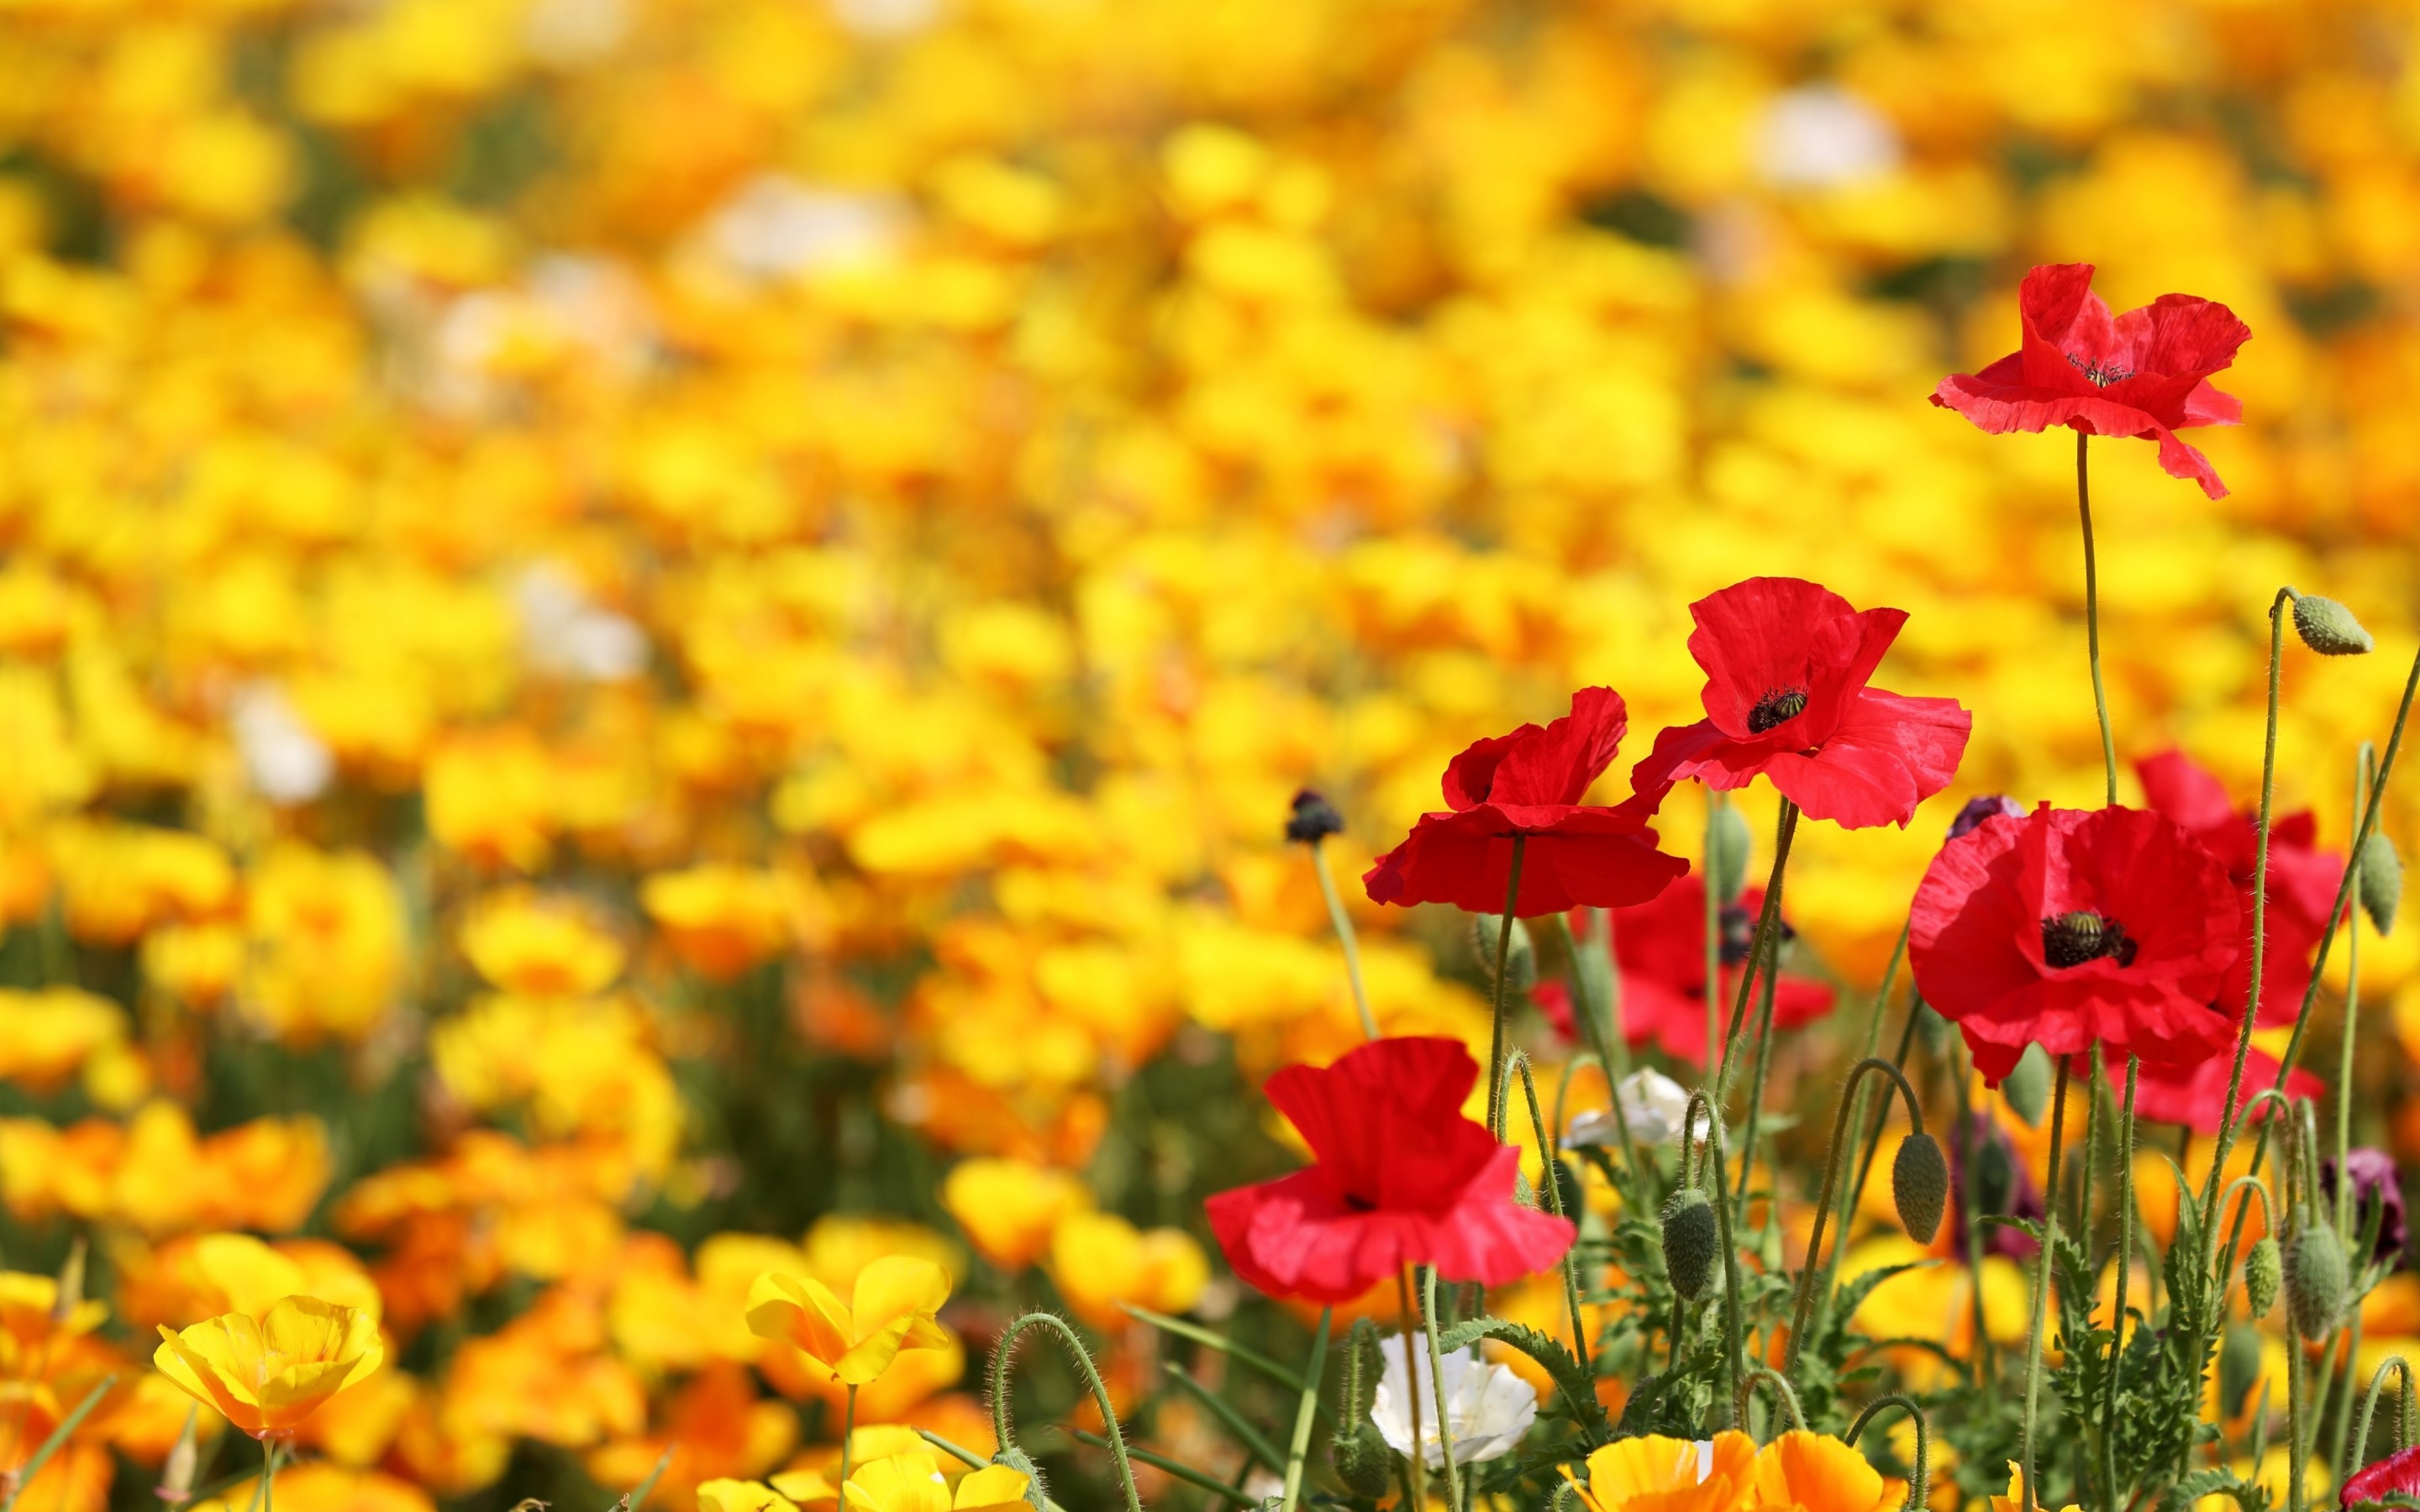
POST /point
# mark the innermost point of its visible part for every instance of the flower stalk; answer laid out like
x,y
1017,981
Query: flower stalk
x,y
1801,1312
2028,1448
2092,615
1503,982
1002,1429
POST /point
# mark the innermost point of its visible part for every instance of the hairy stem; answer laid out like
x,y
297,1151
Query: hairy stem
x,y
2092,615
1052,1323
2027,1447
1305,1410
1801,1313
1436,1381
1765,942
1503,977
1345,937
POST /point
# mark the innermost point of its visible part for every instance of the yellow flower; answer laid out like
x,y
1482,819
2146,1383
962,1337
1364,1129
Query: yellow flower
x,y
266,1374
913,1483
741,1496
891,1309
1099,1260
1655,1473
539,947
2015,1500
1009,1207
1802,1472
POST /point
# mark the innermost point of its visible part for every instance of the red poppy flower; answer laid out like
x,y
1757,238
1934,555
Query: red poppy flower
x,y
1402,1177
1785,665
1660,948
2068,928
1530,783
2144,373
2303,880
2192,1095
2398,1472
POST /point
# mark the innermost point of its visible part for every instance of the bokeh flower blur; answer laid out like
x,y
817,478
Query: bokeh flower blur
x,y
647,642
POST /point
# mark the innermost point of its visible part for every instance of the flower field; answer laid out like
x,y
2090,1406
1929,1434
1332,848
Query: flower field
x,y
927,755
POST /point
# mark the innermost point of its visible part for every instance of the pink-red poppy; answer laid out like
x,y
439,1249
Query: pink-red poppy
x,y
2399,1474
2193,1095
1660,949
1399,1176
1528,784
2145,373
1786,664
2303,880
2070,928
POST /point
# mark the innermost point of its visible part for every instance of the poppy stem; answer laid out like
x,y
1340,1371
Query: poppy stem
x,y
2345,1204
1768,921
2125,1177
2092,614
1503,975
1436,1381
1734,1351
1607,1047
848,1431
1303,1412
1714,937
1555,1205
1001,1428
268,1476
1415,1464
2370,1405
1969,1211
2041,1290
1919,1480
1345,937
1755,1090
1801,1313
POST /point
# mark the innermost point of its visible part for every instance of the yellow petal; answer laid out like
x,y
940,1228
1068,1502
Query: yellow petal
x,y
904,1483
896,1287
250,1275
741,1496
992,1487
798,1310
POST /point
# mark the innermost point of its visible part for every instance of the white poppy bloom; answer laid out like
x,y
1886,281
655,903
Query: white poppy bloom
x,y
1489,1408
284,761
1820,135
1653,1103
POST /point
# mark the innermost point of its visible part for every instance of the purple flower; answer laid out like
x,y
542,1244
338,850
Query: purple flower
x,y
1989,806
2374,1179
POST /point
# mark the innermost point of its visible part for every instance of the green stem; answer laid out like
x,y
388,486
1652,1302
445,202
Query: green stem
x,y
2125,1177
1436,1381
2092,615
2370,1405
1305,1410
1983,1372
1182,1472
1066,1332
1801,1313
1503,978
1764,942
59,1435
1756,1093
1414,1465
2352,1010
268,1476
1610,1053
848,1431
1919,1480
1345,937
1555,1205
1713,939
2041,1292
1763,1374
1734,1345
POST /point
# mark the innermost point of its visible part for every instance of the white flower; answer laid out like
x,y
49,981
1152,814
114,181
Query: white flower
x,y
776,226
1653,1103
563,632
883,19
1820,135
284,761
1489,1407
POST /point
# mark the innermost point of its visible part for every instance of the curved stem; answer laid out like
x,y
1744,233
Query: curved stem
x,y
1304,1413
1345,937
1001,1430
2369,1407
1503,975
1436,1381
1763,942
1765,1374
1918,1484
2092,614
2042,1291
1555,1205
1802,1312
1734,1349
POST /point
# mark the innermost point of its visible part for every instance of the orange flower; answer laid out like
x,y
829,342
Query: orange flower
x,y
890,1309
1802,1472
1655,1473
266,1373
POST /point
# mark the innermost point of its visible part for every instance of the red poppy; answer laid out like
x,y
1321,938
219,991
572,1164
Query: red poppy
x,y
1401,1178
1785,665
2399,1474
1660,948
2303,880
2071,927
2144,373
1530,783
2192,1095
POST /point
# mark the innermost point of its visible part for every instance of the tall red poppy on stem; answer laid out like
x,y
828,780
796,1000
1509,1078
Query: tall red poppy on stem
x,y
1785,665
2069,927
1400,1177
1528,784
2145,373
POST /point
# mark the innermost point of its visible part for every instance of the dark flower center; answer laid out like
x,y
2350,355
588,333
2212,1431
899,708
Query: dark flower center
x,y
1779,706
1737,933
2098,375
2072,939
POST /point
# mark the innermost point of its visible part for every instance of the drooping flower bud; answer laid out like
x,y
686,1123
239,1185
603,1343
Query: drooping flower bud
x,y
1018,1461
175,1486
1728,845
2328,627
2382,881
2316,1279
1921,1186
1313,819
1485,927
2027,1087
1691,1242
2264,1270
2239,1366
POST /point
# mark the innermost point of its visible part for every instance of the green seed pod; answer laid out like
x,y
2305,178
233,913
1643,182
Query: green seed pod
x,y
1018,1461
1691,1243
2382,881
2264,1272
2316,1279
1483,930
2239,1366
1919,1186
1363,1461
2328,627
2028,1085
1992,1174
1727,846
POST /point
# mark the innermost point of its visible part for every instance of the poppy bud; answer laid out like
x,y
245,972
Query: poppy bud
x,y
70,1295
1691,1239
1485,927
2382,881
2239,1366
2264,1270
1018,1461
1313,819
2027,1087
176,1475
2328,627
1362,1460
2316,1280
1919,1186
1727,850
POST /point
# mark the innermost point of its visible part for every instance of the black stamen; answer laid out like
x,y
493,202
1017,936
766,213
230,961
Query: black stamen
x,y
2098,375
1777,707
2072,939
